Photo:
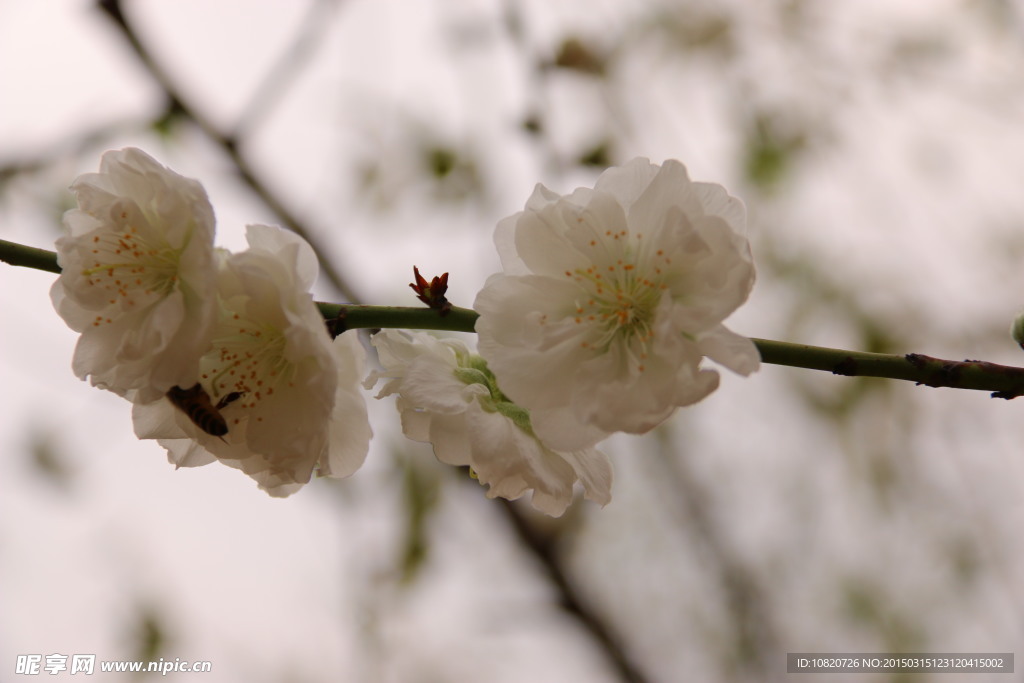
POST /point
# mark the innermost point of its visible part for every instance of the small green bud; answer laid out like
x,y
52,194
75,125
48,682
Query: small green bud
x,y
471,376
477,363
519,416
474,370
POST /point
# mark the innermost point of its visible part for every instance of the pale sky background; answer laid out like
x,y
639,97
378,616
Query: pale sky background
x,y
801,511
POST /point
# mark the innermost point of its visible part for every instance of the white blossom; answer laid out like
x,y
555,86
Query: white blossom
x,y
448,397
610,298
290,398
138,266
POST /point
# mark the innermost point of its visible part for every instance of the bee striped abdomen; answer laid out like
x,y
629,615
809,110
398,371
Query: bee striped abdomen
x,y
195,403
229,398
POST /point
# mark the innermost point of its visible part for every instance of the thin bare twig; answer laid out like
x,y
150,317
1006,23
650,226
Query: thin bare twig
x,y
756,640
545,549
282,74
62,149
229,143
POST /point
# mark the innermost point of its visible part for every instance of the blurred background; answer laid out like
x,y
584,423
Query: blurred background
x,y
879,148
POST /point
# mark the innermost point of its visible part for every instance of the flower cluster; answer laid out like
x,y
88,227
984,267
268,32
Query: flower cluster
x,y
224,356
609,301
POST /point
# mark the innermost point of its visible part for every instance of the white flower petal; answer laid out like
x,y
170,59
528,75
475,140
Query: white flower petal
x,y
524,334
595,473
563,430
629,181
186,453
510,462
289,248
156,421
416,425
668,188
450,435
725,347
349,431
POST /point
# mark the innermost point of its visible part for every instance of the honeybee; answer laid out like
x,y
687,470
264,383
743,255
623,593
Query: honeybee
x,y
196,403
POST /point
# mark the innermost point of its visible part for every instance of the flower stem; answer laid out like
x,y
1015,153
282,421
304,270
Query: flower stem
x,y
1004,381
29,257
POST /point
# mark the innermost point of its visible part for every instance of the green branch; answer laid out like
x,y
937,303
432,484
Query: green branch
x,y
29,257
350,317
1004,381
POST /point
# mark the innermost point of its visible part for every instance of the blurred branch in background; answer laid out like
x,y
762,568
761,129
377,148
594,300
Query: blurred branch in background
x,y
751,652
281,76
546,547
44,159
229,141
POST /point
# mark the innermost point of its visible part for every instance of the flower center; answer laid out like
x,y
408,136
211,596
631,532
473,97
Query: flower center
x,y
129,266
620,294
248,360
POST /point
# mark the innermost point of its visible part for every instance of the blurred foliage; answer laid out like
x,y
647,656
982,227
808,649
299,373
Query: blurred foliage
x,y
420,487
599,156
168,124
49,460
448,174
866,605
533,125
963,555
576,55
1000,14
771,150
457,178
691,27
148,636
441,161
